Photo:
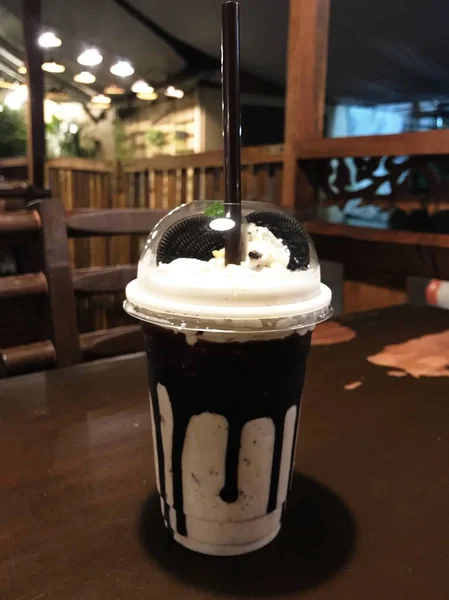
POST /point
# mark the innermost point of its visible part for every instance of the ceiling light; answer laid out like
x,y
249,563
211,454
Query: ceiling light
x,y
17,98
53,67
7,85
100,99
49,40
122,68
114,90
147,95
141,87
57,95
90,58
22,70
174,92
84,77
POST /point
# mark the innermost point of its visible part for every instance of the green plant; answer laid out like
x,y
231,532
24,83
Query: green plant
x,y
63,142
13,133
70,145
123,150
215,210
157,138
53,126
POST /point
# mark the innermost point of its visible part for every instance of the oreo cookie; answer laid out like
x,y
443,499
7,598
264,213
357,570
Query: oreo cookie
x,y
290,231
190,237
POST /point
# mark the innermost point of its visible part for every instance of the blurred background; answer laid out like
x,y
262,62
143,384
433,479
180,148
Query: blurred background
x,y
132,119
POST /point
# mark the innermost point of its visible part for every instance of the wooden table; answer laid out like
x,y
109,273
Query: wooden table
x,y
368,516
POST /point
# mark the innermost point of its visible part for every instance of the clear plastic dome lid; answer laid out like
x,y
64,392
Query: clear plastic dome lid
x,y
211,266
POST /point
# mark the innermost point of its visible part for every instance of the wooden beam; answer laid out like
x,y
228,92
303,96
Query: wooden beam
x,y
30,357
251,155
15,286
35,80
81,164
19,221
400,144
306,86
402,252
367,234
59,278
13,161
24,191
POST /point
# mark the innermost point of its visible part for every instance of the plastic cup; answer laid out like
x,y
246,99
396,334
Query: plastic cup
x,y
226,354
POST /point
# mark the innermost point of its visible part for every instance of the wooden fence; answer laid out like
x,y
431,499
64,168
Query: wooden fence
x,y
167,181
159,182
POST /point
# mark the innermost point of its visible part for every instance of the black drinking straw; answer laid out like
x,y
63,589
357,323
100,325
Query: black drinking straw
x,y
230,77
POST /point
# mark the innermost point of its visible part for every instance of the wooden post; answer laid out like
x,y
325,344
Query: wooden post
x,y
60,286
306,91
35,81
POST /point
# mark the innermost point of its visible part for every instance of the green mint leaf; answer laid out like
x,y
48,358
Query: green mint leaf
x,y
215,210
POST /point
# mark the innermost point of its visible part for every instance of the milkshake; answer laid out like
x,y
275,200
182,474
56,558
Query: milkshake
x,y
227,347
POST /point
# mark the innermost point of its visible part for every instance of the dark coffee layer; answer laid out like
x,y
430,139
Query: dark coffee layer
x,y
240,381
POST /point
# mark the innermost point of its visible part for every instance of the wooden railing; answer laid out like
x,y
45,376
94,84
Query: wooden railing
x,y
167,181
159,182
14,168
83,183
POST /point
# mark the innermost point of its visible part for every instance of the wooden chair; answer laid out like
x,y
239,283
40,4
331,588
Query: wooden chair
x,y
37,305
17,196
56,281
428,292
109,280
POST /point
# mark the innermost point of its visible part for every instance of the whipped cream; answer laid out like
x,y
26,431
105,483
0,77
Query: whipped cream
x,y
260,293
260,249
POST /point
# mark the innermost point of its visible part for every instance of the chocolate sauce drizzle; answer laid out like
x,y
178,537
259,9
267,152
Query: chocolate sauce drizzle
x,y
240,381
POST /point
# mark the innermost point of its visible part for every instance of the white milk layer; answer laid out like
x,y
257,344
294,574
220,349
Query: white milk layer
x,y
215,526
259,293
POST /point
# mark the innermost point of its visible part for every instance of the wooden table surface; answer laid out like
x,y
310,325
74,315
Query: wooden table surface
x,y
368,516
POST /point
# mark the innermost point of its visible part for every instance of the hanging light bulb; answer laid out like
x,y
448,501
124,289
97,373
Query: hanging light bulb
x,y
17,98
173,92
22,70
114,90
90,58
122,68
101,99
84,77
141,87
49,40
53,67
147,96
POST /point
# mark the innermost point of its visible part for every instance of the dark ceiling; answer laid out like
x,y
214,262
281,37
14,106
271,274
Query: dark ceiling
x,y
387,51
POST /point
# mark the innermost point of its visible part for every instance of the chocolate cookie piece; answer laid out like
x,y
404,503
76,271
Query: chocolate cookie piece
x,y
190,237
290,231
